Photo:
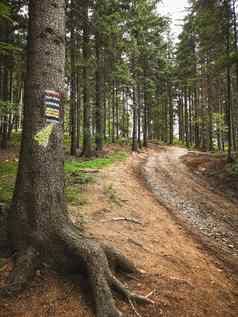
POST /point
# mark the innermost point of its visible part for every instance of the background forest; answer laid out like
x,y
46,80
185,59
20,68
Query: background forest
x,y
105,81
126,81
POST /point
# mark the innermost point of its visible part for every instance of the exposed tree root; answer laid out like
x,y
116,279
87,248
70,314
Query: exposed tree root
x,y
130,296
118,261
97,260
24,269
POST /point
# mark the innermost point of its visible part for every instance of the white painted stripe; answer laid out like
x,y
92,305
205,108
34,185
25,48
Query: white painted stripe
x,y
52,121
51,103
52,98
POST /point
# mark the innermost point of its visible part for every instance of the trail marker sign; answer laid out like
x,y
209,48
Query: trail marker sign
x,y
52,106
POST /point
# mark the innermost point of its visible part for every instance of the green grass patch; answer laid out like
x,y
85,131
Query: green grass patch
x,y
6,190
76,180
8,172
15,138
74,183
72,194
74,166
8,169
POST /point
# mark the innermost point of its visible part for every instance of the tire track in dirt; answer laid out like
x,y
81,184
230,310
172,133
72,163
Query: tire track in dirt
x,y
207,213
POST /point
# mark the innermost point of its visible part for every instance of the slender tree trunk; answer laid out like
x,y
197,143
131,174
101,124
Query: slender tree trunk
x,y
171,116
73,104
190,117
210,114
145,114
181,117
78,110
186,117
135,122
196,119
139,117
113,110
4,134
99,83
228,80
117,112
87,138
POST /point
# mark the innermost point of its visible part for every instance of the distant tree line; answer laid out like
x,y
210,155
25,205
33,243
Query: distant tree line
x,y
125,80
207,76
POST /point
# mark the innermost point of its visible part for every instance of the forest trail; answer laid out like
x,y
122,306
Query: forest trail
x,y
182,278
185,281
211,217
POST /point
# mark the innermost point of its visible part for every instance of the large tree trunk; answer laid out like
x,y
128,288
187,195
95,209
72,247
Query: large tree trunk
x,y
39,227
38,203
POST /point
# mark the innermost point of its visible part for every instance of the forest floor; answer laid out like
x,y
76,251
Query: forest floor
x,y
160,211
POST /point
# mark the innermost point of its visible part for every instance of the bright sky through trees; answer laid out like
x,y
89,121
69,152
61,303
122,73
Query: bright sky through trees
x,y
176,10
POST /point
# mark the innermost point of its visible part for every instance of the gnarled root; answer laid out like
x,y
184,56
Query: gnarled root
x,y
118,261
98,259
24,269
95,259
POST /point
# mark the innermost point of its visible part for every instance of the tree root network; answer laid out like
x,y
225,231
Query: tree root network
x,y
100,262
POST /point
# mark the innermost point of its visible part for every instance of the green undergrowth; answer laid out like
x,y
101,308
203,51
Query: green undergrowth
x,y
8,171
15,138
75,178
74,165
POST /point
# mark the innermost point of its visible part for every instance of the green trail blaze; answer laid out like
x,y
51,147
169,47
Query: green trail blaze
x,y
42,137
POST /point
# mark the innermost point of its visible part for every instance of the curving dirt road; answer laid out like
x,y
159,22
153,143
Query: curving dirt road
x,y
207,213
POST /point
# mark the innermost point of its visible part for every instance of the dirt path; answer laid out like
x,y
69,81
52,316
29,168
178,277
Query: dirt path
x,y
118,208
207,212
184,279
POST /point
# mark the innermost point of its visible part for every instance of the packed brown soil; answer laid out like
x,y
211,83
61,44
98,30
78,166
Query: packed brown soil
x,y
183,279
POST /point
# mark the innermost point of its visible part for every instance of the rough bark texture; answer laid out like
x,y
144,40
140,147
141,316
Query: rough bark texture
x,y
39,227
3,230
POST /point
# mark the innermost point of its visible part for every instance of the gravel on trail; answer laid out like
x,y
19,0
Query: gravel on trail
x,y
206,212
